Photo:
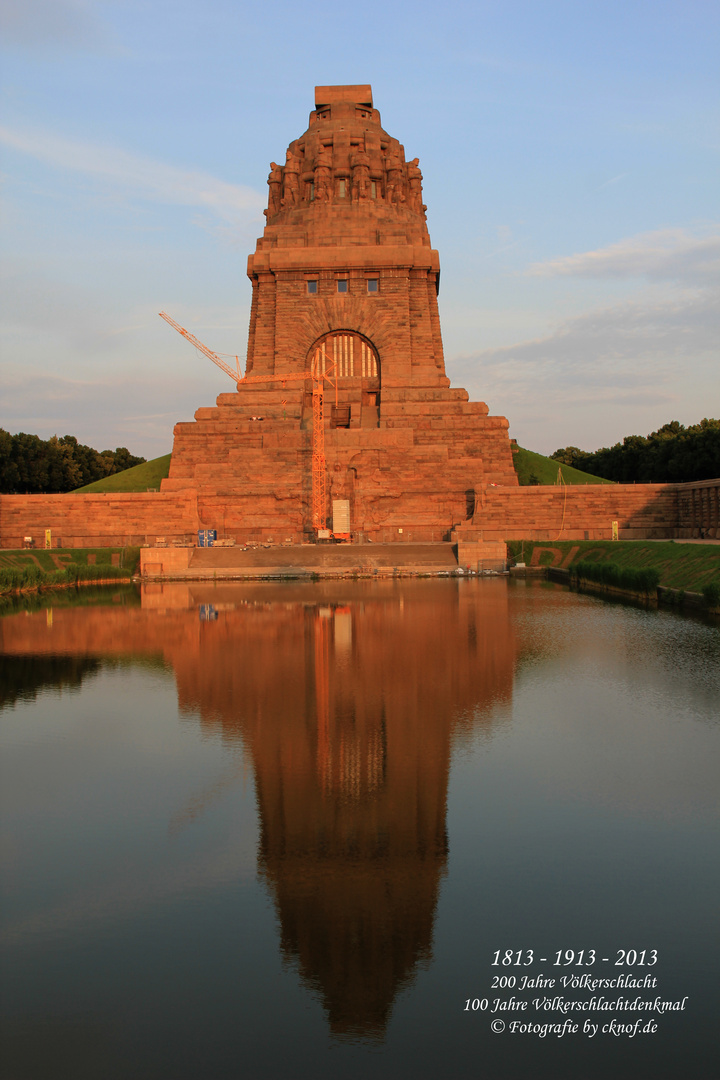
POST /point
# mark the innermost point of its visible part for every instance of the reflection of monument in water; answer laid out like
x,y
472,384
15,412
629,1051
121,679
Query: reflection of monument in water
x,y
353,837
347,708
351,743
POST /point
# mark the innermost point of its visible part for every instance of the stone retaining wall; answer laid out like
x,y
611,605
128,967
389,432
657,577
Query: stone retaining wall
x,y
698,512
111,520
643,511
578,512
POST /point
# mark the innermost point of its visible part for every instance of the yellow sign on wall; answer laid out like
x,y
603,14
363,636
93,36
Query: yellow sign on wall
x,y
614,530
48,538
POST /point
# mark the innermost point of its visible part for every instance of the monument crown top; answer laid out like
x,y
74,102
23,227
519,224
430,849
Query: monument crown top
x,y
344,163
351,95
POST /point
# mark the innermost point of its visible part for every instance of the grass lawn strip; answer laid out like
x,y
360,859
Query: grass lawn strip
x,y
681,566
38,569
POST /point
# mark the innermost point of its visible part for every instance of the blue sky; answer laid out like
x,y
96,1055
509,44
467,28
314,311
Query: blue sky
x,y
570,161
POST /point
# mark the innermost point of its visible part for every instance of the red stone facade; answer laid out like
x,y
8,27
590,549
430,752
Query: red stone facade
x,y
97,520
573,512
656,511
699,509
344,265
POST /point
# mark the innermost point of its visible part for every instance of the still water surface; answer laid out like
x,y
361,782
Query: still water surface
x,y
281,830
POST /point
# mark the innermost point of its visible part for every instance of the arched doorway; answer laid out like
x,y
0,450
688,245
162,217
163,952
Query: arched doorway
x,y
352,362
350,354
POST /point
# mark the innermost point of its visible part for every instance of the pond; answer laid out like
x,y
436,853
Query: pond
x,y
461,828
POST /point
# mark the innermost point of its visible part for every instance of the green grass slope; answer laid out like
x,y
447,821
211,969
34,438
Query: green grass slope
x,y
139,478
681,566
545,470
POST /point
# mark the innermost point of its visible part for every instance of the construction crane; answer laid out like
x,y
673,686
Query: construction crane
x,y
236,375
319,375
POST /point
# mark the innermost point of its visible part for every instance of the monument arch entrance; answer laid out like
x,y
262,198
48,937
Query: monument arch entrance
x,y
350,355
351,361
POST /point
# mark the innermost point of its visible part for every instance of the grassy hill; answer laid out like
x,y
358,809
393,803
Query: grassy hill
x,y
139,478
529,464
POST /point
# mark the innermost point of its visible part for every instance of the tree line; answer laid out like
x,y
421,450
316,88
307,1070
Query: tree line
x,y
673,454
30,465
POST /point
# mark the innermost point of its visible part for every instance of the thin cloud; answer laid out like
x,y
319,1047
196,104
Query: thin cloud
x,y
663,255
612,396
136,175
497,251
102,411
627,347
609,183
149,416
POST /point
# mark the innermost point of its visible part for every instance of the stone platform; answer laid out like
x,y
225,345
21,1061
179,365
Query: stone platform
x,y
300,560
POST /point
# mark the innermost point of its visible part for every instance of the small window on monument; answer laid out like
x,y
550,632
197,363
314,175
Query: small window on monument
x,y
342,285
312,286
372,284
341,191
373,189
312,192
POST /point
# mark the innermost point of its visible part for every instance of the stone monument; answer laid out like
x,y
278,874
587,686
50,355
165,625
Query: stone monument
x,y
344,275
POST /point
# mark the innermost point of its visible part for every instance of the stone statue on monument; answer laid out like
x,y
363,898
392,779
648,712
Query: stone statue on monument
x,y
395,192
323,175
291,186
415,186
275,180
360,164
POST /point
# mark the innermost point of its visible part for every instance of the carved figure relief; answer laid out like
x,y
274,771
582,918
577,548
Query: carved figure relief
x,y
275,180
395,192
415,186
291,187
323,175
360,164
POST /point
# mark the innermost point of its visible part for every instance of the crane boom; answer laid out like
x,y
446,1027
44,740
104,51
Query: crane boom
x,y
234,375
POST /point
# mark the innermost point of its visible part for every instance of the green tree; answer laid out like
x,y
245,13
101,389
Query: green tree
x,y
9,472
672,454
33,466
